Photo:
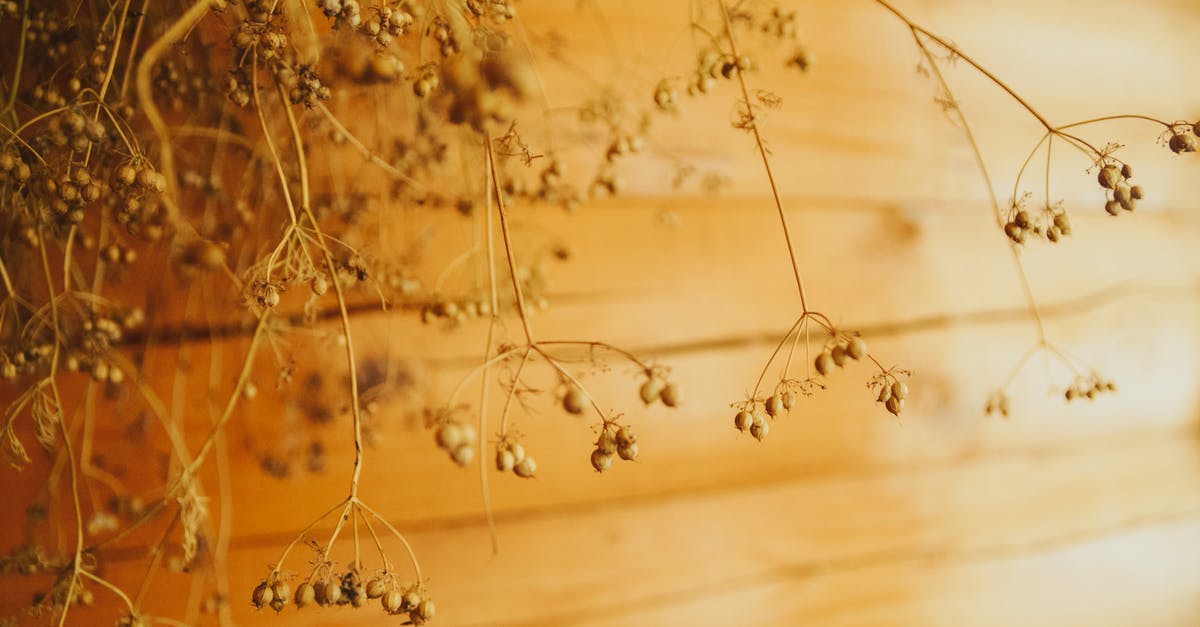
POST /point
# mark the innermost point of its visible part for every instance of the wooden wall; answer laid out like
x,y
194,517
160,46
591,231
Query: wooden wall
x,y
1079,514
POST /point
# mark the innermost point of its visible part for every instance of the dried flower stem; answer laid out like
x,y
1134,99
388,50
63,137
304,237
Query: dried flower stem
x,y
762,151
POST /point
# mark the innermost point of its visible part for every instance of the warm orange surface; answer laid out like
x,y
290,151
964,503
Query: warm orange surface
x,y
1082,514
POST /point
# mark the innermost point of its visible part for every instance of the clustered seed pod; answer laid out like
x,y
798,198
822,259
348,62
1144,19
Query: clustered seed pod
x,y
712,65
457,439
835,357
456,312
614,441
892,393
656,389
1051,222
512,456
1119,192
1180,142
1088,387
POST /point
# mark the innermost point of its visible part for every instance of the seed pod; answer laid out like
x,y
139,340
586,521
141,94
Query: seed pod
x,y
375,588
607,442
839,356
411,600
1123,196
1053,234
319,285
857,348
894,405
671,395
1126,171
651,390
1181,143
574,401
1109,176
518,452
628,452
526,468
450,435
625,437
759,429
1112,207
283,594
463,454
824,363
426,609
327,592
601,460
1014,232
505,460
789,399
392,601
742,420
885,392
262,595
1021,219
305,595
900,390
1136,192
774,405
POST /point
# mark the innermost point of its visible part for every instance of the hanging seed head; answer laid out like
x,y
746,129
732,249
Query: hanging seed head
x,y
671,395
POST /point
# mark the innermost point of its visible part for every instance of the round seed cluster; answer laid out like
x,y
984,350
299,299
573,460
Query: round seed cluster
x,y
1051,223
457,438
511,455
655,388
614,441
1120,193
1088,386
328,589
835,357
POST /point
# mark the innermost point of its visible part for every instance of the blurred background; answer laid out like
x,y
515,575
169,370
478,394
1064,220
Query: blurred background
x,y
1080,513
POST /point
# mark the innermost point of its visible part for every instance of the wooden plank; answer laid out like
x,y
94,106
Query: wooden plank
x,y
710,551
